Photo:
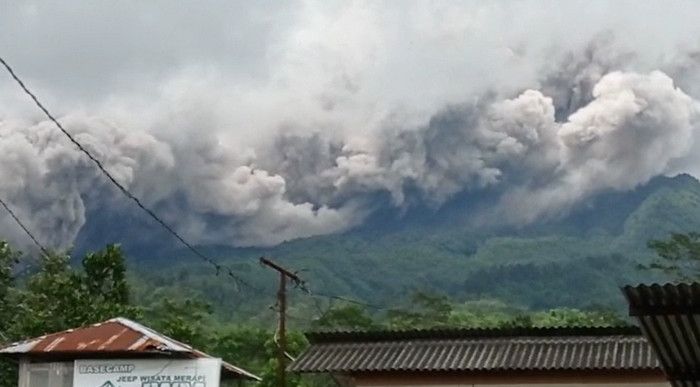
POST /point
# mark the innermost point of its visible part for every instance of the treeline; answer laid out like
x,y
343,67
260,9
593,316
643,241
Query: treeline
x,y
52,295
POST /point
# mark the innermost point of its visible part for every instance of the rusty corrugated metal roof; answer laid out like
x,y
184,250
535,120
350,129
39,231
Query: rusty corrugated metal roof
x,y
669,316
114,337
477,351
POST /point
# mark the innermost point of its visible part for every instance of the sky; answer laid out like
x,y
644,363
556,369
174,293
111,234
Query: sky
x,y
250,123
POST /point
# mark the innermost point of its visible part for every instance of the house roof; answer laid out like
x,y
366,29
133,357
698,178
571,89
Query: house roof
x,y
669,316
118,337
498,350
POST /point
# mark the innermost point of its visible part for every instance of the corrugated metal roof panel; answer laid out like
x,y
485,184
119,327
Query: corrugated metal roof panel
x,y
463,333
669,316
115,335
415,351
118,336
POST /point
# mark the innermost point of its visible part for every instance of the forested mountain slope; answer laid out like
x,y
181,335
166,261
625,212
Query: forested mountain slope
x,y
579,260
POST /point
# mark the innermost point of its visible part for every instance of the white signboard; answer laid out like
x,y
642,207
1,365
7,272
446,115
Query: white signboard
x,y
147,373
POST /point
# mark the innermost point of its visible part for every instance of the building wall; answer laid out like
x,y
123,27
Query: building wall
x,y
647,379
582,384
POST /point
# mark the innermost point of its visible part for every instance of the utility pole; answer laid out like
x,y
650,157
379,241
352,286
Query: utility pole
x,y
281,323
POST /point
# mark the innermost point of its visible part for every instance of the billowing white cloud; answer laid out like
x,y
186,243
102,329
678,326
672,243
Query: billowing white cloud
x,y
636,126
246,123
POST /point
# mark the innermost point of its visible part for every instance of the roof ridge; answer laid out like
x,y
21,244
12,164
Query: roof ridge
x,y
45,335
152,334
489,355
662,284
171,343
466,333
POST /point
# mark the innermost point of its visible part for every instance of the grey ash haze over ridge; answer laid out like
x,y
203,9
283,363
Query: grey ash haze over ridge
x,y
252,123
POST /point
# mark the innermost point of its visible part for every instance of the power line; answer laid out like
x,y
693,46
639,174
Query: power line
x,y
302,285
219,268
23,227
314,295
350,300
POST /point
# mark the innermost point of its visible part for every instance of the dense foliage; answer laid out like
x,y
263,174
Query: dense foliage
x,y
561,273
58,297
678,256
54,296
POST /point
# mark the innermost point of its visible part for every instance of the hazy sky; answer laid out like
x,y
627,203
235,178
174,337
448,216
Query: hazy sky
x,y
254,122
393,53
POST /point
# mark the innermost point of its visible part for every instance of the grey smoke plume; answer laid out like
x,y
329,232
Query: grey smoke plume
x,y
306,148
570,81
632,129
634,126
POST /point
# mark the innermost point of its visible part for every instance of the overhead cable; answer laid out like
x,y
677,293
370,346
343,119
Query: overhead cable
x,y
24,228
217,266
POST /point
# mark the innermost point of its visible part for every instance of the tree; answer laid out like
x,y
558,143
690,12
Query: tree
x,y
296,342
104,279
242,344
8,309
185,321
344,317
59,297
678,256
426,311
8,261
567,317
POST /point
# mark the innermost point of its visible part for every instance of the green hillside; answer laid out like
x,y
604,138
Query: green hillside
x,y
578,261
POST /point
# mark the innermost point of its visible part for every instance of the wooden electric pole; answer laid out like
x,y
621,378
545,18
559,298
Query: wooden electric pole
x,y
281,322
